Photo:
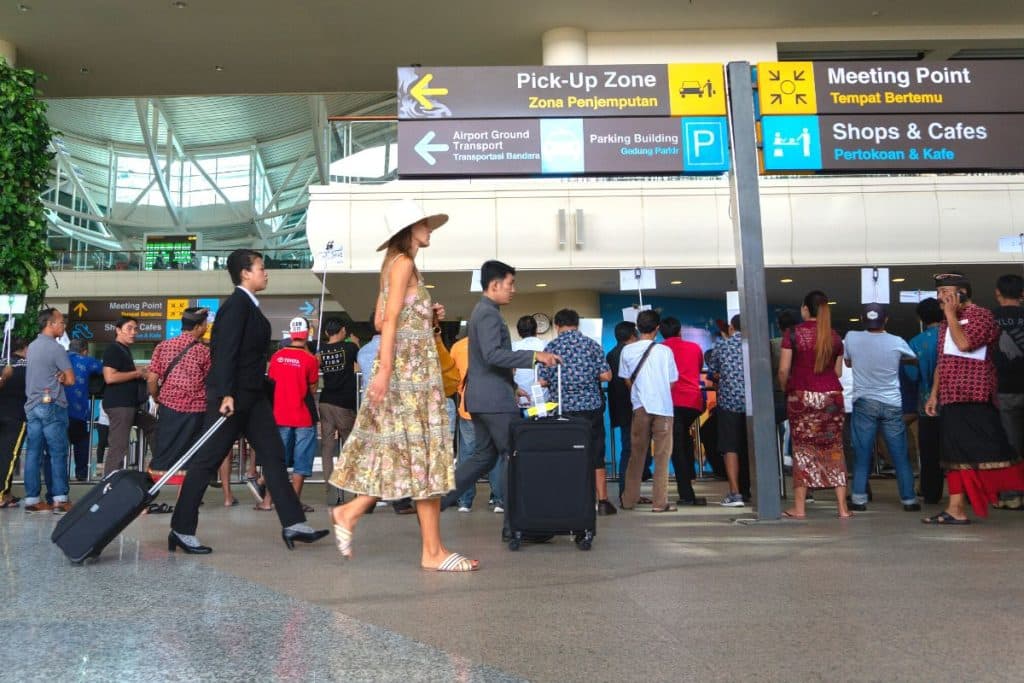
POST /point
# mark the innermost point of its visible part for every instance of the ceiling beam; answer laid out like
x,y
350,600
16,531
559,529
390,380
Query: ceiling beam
x,y
142,109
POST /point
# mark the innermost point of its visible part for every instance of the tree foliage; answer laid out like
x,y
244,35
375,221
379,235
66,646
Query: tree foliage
x,y
25,156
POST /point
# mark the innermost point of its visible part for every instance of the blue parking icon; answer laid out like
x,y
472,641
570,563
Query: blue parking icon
x,y
791,143
705,144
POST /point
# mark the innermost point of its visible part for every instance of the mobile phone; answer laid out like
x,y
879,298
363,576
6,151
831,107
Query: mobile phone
x,y
962,296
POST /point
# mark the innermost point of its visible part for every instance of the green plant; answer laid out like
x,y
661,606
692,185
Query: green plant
x,y
24,168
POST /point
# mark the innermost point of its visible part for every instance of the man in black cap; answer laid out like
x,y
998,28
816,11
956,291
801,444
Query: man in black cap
x,y
875,356
977,457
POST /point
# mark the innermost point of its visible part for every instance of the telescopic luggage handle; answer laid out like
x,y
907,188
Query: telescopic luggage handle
x,y
188,455
559,374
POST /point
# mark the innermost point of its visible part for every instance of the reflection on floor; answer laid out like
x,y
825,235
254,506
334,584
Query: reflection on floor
x,y
691,595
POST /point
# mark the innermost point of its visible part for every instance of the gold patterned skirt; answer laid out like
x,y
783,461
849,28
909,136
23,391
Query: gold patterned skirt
x,y
816,424
401,447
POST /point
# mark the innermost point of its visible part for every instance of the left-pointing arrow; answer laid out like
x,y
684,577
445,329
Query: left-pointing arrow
x,y
424,148
421,90
81,308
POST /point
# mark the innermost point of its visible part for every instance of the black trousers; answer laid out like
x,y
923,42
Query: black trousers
x,y
493,434
12,436
932,478
253,418
78,437
682,450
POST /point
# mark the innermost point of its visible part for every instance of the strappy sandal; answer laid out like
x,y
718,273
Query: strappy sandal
x,y
668,508
343,539
945,519
307,508
10,502
454,563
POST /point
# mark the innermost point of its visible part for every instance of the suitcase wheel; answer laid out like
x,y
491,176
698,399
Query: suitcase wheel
x,y
516,541
585,542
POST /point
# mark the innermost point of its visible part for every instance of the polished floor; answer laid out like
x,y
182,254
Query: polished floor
x,y
697,595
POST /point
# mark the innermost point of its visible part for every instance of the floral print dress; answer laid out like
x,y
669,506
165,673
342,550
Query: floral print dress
x,y
401,447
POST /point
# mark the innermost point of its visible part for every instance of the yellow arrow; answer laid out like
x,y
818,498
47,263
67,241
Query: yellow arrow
x,y
81,308
420,91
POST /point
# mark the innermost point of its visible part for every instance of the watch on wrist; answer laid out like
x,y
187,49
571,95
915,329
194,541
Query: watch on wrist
x,y
437,329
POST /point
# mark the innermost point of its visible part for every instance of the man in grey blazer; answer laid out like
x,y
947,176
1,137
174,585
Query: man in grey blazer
x,y
490,389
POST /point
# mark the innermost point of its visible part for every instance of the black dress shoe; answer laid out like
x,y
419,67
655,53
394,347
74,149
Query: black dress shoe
x,y
604,507
697,501
290,536
912,507
173,543
859,507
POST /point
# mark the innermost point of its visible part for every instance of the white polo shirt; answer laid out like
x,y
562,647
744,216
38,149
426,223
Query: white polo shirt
x,y
652,389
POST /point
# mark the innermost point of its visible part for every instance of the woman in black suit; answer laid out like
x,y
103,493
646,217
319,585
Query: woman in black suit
x,y
235,389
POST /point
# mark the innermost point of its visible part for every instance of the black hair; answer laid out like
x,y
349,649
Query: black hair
x,y
77,346
1010,286
494,270
929,311
239,260
787,319
44,318
526,326
670,327
647,321
128,319
624,331
18,344
333,326
735,322
567,318
188,322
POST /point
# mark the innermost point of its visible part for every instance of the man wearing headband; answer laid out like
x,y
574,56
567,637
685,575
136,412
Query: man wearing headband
x,y
976,454
177,382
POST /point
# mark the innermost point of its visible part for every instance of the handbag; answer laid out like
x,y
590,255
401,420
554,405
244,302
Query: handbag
x,y
449,371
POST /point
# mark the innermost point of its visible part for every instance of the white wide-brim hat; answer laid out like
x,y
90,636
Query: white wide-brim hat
x,y
405,212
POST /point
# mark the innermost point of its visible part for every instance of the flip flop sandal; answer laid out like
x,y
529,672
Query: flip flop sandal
x,y
307,508
790,515
263,509
644,500
454,563
233,504
159,509
667,508
343,539
11,502
946,519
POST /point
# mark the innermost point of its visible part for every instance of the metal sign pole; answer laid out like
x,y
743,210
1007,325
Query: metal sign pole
x,y
749,243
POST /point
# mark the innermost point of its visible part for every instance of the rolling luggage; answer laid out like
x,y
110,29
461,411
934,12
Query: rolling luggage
x,y
551,479
112,505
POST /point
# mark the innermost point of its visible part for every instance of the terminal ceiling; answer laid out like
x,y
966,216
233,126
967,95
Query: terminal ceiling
x,y
153,48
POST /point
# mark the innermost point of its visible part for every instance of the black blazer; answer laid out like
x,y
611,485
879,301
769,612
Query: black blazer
x,y
238,347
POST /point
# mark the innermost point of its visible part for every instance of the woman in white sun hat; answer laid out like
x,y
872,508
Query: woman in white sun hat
x,y
400,446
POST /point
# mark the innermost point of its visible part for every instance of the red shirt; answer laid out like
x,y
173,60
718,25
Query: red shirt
x,y
802,377
185,389
969,380
293,370
689,361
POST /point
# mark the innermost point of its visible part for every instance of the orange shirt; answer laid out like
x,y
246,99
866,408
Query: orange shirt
x,y
460,354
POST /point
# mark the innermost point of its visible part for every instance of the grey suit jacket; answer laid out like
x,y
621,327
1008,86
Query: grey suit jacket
x,y
489,384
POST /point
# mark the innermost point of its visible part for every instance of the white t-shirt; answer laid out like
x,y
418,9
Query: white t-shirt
x,y
875,358
653,387
524,376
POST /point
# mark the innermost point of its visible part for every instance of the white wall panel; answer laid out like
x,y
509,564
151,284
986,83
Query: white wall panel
x,y
902,227
467,239
970,224
609,231
680,230
527,230
828,229
777,227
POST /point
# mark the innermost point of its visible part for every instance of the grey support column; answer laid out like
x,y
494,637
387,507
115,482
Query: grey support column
x,y
746,216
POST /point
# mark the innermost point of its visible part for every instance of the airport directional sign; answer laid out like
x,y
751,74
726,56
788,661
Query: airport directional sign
x,y
790,88
564,146
885,143
561,91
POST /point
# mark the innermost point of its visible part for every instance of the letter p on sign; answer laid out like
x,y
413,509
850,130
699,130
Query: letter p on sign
x,y
705,144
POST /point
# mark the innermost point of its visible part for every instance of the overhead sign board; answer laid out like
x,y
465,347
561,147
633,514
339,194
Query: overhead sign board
x,y
992,142
508,147
113,309
561,91
890,87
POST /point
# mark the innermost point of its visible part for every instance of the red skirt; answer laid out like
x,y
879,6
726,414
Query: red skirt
x,y
982,487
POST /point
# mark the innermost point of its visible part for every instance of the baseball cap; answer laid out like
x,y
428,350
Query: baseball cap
x,y
298,328
874,316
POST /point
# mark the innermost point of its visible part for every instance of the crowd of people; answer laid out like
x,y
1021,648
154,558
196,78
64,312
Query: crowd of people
x,y
959,383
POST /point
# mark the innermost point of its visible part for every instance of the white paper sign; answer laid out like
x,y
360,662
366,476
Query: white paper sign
x,y
13,303
474,282
629,312
732,304
1012,244
592,328
874,285
636,278
916,296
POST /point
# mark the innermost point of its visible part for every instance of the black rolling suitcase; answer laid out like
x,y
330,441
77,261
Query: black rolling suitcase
x,y
111,505
551,479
